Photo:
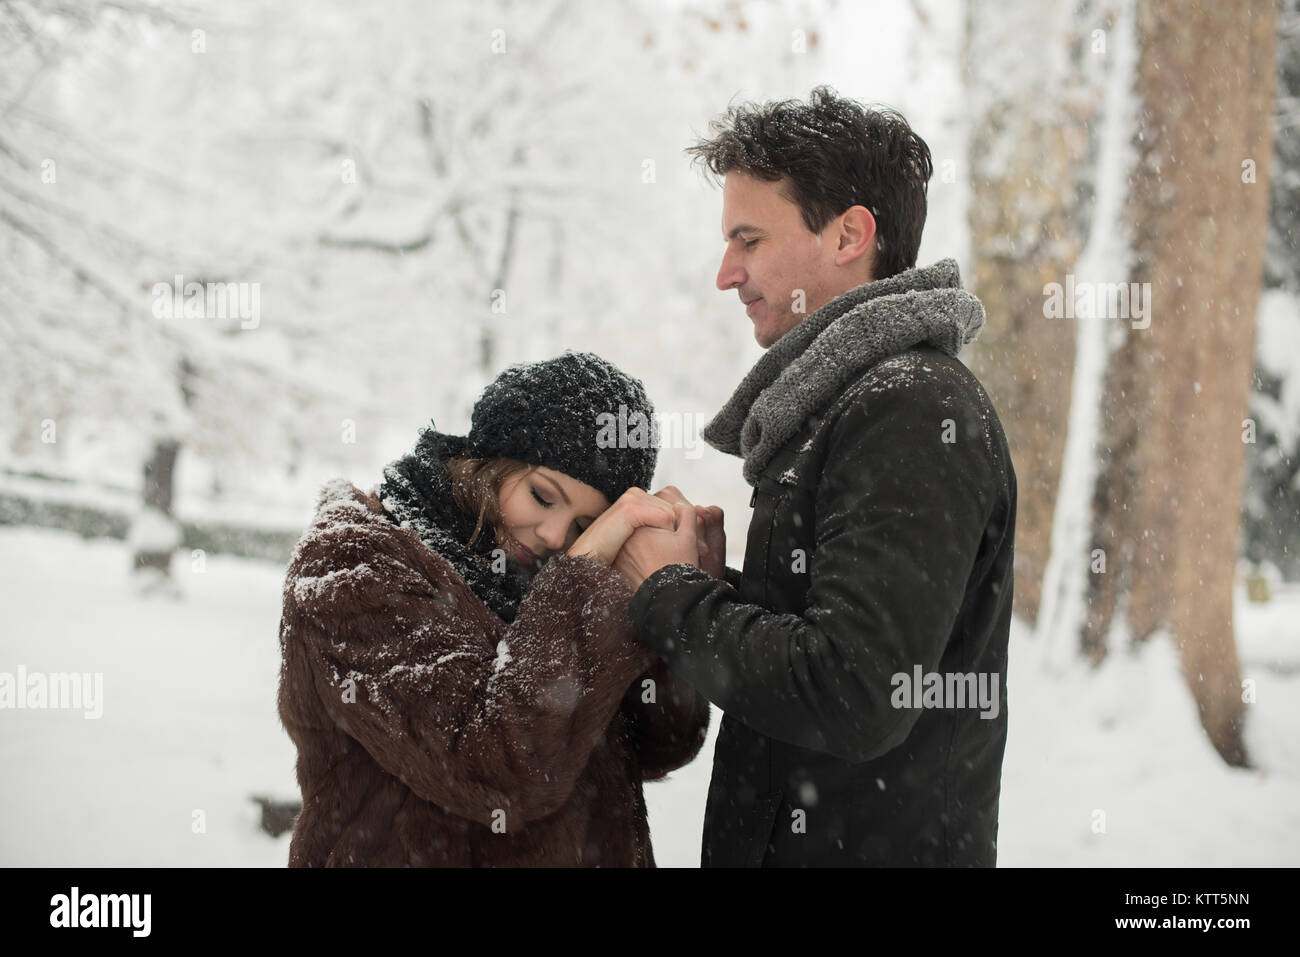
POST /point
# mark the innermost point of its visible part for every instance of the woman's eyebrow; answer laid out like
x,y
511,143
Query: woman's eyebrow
x,y
556,486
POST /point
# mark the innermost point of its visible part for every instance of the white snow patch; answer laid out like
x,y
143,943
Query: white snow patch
x,y
152,531
311,588
1277,350
502,658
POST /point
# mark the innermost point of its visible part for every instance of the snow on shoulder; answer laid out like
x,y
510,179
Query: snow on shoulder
x,y
338,493
342,505
321,573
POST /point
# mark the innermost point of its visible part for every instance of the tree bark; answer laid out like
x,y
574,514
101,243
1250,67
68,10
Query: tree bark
x,y
1167,501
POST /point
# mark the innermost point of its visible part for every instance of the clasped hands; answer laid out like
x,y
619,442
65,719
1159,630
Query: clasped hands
x,y
641,533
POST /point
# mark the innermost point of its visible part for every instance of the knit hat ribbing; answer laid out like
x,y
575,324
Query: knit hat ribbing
x,y
550,413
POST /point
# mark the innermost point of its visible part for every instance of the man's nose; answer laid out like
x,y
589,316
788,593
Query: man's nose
x,y
730,273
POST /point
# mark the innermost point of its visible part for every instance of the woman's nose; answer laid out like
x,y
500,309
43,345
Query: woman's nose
x,y
553,534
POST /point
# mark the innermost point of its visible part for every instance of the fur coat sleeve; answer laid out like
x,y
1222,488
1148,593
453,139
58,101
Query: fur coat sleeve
x,y
473,714
667,721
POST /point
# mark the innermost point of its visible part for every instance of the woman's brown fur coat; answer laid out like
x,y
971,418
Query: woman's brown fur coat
x,y
431,732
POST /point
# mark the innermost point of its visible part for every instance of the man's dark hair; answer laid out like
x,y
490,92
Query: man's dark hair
x,y
835,153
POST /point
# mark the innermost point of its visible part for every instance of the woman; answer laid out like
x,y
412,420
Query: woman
x,y
454,702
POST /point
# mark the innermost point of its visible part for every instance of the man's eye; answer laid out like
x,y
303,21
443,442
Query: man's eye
x,y
751,243
541,501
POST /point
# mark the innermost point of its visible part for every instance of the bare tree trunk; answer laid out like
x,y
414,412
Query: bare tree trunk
x,y
1023,194
159,474
488,335
1168,499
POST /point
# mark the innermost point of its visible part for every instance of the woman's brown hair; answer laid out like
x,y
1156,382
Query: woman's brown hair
x,y
476,486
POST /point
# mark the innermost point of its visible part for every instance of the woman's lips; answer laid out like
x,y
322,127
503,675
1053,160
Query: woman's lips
x,y
524,555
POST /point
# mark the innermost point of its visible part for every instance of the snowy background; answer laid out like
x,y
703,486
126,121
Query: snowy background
x,y
379,173
189,724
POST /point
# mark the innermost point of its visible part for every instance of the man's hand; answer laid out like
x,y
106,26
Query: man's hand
x,y
713,541
709,532
649,549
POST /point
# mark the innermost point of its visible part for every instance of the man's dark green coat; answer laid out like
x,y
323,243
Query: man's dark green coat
x,y
880,546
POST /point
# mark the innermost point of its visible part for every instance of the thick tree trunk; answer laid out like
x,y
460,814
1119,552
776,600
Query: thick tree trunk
x,y
1168,499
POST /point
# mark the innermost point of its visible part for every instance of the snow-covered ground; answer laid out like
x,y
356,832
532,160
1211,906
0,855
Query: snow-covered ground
x,y
189,724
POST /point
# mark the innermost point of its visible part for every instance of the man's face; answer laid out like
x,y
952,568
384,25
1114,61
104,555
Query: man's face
x,y
771,255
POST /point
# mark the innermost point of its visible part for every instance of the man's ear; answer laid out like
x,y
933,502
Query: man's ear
x,y
857,236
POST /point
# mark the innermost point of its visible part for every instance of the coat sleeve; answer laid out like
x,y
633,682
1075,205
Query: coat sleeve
x,y
900,517
668,731
493,722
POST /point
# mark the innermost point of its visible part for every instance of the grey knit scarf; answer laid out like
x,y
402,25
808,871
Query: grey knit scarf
x,y
812,364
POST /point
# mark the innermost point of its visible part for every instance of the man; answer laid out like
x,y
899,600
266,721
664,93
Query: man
x,y
860,657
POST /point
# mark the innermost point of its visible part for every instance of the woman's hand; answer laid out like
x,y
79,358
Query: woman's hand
x,y
635,508
650,549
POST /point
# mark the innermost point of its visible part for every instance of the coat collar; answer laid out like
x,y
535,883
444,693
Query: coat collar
x,y
813,363
417,492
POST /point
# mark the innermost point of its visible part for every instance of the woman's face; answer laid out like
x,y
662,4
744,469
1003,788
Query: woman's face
x,y
543,512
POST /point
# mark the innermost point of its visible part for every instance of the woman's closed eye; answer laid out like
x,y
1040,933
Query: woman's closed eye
x,y
545,504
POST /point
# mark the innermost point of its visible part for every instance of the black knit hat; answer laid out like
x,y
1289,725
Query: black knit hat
x,y
576,414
